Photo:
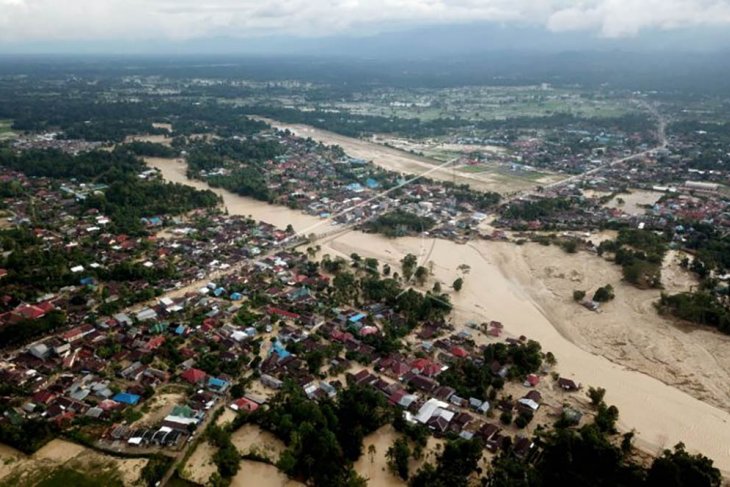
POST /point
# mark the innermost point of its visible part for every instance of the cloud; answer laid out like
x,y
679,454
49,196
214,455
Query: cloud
x,y
622,18
48,20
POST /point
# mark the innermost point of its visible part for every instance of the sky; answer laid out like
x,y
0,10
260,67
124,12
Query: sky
x,y
55,22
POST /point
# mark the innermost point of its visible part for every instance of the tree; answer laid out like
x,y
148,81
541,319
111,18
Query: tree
x,y
458,284
437,287
606,418
398,455
506,417
596,395
408,266
578,295
604,294
678,468
421,275
371,452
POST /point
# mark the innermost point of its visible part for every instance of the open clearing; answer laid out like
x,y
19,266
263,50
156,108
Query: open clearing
x,y
6,131
634,202
155,139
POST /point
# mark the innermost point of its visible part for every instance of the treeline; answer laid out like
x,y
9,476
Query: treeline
x,y
589,456
534,210
701,307
399,223
94,118
711,248
355,125
150,149
97,166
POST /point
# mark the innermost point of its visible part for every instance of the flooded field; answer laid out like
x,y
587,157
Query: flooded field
x,y
635,202
257,474
374,466
156,139
250,439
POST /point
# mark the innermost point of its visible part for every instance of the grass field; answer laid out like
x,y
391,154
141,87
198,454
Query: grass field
x,y
64,476
489,103
6,131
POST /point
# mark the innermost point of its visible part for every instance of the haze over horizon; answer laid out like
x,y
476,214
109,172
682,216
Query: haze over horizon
x,y
358,28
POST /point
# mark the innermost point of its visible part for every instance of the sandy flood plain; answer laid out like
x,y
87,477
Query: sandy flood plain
x,y
664,378
59,453
374,466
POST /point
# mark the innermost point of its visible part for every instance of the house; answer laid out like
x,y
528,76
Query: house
x,y
568,385
270,381
127,398
193,376
77,333
146,314
218,385
244,404
40,350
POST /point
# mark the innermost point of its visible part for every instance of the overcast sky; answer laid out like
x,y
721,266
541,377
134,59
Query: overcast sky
x,y
49,20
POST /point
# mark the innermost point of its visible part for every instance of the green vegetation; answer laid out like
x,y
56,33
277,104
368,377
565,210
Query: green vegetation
x,y
579,295
64,476
398,456
127,198
355,125
604,294
472,380
150,149
458,284
589,456
640,254
24,331
324,438
226,458
534,210
155,469
454,465
28,435
244,159
700,307
399,223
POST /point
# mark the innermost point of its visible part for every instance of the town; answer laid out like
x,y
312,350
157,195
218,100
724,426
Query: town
x,y
148,320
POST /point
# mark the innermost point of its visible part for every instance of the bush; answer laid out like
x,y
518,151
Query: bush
x,y
505,417
604,294
578,295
